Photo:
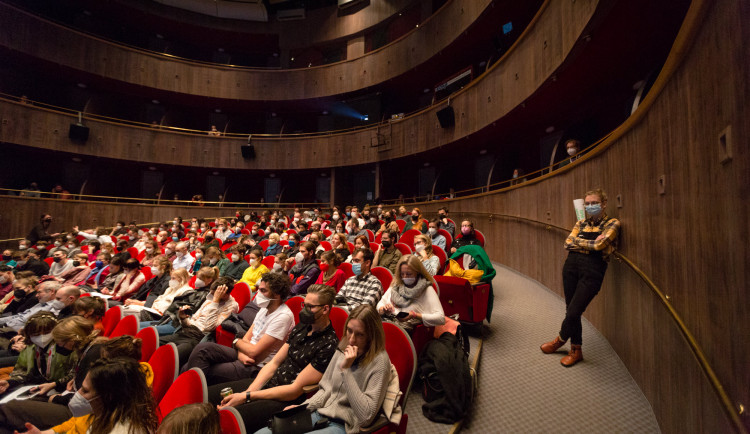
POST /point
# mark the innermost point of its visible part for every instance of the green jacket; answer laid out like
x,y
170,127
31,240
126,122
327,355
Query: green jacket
x,y
26,370
483,262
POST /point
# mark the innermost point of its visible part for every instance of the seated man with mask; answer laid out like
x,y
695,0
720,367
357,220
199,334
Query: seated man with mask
x,y
249,354
363,287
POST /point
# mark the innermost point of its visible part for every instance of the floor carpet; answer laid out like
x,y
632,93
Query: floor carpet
x,y
522,390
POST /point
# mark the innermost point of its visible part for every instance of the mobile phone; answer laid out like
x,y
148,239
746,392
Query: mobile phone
x,y
402,315
29,393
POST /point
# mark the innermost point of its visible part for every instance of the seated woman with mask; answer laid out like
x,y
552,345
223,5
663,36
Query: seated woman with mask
x,y
156,304
412,298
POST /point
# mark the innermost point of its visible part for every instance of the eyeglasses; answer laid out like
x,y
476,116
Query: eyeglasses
x,y
310,306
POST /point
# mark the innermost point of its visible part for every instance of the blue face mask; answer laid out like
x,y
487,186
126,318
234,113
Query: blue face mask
x,y
98,264
594,210
356,268
291,243
175,239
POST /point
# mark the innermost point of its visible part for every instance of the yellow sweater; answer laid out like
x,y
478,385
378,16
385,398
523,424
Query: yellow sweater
x,y
252,275
80,425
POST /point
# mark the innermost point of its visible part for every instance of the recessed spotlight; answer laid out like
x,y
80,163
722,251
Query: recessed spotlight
x,y
273,115
323,174
214,173
155,101
426,165
292,59
482,63
159,36
275,54
218,110
482,152
272,175
151,168
87,12
550,129
76,159
82,85
426,90
221,50
325,112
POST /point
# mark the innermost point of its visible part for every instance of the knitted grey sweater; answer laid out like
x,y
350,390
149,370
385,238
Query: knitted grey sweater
x,y
354,395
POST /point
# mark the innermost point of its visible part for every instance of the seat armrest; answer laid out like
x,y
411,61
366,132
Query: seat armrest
x,y
378,423
312,388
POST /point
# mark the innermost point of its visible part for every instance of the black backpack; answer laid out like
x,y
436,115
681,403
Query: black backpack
x,y
444,370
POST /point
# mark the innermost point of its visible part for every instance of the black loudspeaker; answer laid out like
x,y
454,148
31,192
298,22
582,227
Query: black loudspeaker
x,y
446,117
78,133
248,152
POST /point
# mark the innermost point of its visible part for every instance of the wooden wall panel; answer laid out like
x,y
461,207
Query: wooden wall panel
x,y
691,240
34,127
31,35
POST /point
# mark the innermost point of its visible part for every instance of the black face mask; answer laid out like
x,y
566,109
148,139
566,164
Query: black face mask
x,y
386,244
56,259
19,293
306,316
6,257
76,263
414,218
62,350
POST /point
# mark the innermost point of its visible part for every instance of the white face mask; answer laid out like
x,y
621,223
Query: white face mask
x,y
253,262
572,151
58,244
235,257
41,341
276,266
419,247
173,283
149,250
432,231
299,257
199,283
168,251
262,301
409,281
57,305
198,255
180,254
212,261
155,271
3,280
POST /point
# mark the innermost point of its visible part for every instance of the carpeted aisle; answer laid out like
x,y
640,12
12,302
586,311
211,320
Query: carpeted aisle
x,y
522,390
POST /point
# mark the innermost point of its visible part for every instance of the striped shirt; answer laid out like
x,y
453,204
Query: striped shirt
x,y
585,234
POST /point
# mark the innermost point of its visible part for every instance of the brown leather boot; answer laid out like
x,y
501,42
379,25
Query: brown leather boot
x,y
574,356
552,346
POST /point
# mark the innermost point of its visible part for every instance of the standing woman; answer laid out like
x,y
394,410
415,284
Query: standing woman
x,y
590,245
330,273
423,247
353,386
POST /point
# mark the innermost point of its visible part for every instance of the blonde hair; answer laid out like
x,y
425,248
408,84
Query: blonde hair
x,y
207,274
181,274
597,192
275,236
77,329
427,243
370,319
415,264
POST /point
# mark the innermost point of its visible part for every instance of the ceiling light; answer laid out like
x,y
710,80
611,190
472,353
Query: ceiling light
x,y
82,85
155,101
214,173
217,110
482,152
151,168
76,159
550,129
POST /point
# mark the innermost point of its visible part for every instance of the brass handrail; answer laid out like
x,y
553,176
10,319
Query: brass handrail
x,y
158,202
726,403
